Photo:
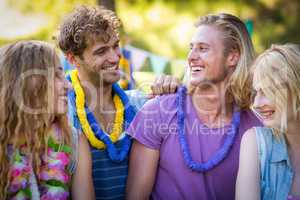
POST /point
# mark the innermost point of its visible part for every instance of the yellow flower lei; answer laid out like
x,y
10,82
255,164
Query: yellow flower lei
x,y
80,102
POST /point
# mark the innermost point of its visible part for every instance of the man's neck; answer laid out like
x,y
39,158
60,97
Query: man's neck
x,y
98,95
213,107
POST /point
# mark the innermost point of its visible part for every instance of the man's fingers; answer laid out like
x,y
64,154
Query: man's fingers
x,y
167,80
175,83
156,87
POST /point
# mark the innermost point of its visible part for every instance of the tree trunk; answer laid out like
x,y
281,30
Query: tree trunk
x,y
110,4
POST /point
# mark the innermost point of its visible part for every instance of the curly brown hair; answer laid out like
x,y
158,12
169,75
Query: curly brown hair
x,y
83,25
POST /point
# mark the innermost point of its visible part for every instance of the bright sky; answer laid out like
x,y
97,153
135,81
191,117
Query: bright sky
x,y
13,24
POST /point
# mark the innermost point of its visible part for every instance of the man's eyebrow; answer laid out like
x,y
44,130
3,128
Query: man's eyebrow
x,y
202,43
198,43
99,49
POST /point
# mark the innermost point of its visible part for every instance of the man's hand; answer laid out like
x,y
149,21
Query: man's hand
x,y
164,84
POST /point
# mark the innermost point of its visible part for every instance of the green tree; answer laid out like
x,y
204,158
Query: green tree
x,y
110,4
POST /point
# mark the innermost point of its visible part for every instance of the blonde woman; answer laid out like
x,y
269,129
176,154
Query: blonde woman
x,y
270,157
36,156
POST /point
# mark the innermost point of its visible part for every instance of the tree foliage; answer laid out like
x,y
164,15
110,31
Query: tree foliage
x,y
165,27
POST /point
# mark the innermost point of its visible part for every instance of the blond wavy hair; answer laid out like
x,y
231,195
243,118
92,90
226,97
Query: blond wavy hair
x,y
235,37
277,74
17,126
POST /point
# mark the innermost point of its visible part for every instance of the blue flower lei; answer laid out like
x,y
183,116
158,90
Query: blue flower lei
x,y
114,154
220,155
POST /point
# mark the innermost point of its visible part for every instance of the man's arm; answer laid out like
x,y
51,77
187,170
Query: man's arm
x,y
82,181
142,172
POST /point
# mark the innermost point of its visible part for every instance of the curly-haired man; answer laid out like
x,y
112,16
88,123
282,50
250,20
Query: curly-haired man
x,y
89,38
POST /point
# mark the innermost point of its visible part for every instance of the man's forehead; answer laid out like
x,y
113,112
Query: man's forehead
x,y
205,34
98,41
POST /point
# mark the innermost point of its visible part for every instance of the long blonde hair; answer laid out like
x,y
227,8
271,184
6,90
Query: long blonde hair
x,y
17,125
236,37
277,74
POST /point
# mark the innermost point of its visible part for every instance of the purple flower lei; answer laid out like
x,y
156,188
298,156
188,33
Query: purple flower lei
x,y
220,155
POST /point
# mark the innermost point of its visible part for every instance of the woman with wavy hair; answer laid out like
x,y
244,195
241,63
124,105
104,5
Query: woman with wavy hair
x,y
37,160
270,156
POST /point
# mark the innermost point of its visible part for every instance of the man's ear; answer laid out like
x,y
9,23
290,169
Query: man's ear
x,y
72,59
233,58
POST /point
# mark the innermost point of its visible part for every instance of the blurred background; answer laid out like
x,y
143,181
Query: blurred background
x,y
155,33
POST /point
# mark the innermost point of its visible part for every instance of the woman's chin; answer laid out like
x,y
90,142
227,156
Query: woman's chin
x,y
61,111
270,123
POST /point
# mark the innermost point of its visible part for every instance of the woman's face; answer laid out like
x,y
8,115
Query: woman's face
x,y
61,86
271,110
266,109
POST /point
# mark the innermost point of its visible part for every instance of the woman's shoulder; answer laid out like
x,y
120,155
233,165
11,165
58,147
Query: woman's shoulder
x,y
264,134
260,134
265,140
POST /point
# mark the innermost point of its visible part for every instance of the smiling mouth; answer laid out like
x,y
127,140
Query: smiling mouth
x,y
197,69
266,114
114,67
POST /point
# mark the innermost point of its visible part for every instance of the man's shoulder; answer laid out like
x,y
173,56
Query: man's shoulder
x,y
135,94
248,117
136,98
161,103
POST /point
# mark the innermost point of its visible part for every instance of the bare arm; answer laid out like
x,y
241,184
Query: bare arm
x,y
142,171
82,182
248,179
